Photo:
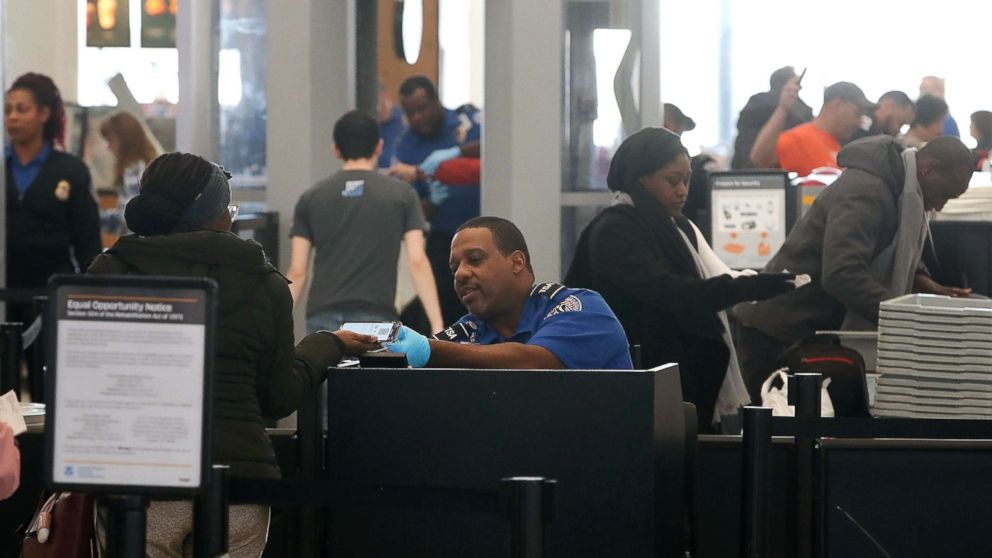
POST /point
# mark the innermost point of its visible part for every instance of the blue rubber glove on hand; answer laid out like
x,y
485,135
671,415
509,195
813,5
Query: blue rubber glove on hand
x,y
439,192
415,345
434,160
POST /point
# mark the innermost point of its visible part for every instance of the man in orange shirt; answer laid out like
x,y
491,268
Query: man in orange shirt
x,y
816,144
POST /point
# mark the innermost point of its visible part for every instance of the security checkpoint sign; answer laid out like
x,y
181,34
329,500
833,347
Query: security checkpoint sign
x,y
129,383
748,217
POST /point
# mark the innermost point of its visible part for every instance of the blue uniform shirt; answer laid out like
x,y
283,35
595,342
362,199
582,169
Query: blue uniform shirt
x,y
576,325
24,175
390,130
460,127
951,127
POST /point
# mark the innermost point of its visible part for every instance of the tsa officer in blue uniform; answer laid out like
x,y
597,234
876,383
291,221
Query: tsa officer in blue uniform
x,y
435,135
513,323
53,224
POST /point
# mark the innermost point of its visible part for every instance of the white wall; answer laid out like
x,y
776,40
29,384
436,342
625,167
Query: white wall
x,y
461,33
42,36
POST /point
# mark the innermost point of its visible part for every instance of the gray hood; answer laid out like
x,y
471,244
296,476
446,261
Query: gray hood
x,y
877,155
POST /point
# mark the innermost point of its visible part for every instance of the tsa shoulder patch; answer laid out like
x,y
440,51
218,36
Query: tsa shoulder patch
x,y
462,332
546,289
353,188
570,304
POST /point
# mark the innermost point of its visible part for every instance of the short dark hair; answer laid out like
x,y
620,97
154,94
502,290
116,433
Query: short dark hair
x,y
506,235
950,152
898,97
780,77
847,92
929,109
411,84
356,135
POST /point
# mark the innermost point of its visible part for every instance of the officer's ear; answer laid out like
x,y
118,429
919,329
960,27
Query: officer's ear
x,y
518,261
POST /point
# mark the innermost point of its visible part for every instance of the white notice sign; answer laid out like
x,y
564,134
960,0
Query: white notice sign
x,y
748,218
129,391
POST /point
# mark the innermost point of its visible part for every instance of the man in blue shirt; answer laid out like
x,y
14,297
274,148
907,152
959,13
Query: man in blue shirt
x,y
435,135
513,323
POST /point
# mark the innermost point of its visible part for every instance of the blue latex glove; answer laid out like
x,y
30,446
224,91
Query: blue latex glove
x,y
439,192
415,345
434,160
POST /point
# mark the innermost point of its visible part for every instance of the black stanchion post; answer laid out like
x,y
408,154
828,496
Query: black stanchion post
x,y
36,366
804,393
310,437
126,517
529,504
637,357
10,360
210,516
757,441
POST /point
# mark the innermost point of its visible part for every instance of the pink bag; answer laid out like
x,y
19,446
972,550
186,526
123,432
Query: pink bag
x,y
10,462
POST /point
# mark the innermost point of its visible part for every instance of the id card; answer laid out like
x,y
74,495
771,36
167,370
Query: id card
x,y
384,332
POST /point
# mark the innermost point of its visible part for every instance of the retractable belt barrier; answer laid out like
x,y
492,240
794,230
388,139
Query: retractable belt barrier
x,y
15,340
809,430
21,296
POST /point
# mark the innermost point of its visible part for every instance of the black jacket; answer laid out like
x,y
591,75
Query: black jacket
x,y
48,226
753,116
671,314
258,374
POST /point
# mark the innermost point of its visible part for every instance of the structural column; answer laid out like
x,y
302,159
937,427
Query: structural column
x,y
521,144
198,114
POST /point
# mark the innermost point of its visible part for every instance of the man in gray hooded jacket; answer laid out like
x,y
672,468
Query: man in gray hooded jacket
x,y
860,243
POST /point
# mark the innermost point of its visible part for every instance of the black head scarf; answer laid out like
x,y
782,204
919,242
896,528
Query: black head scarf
x,y
638,156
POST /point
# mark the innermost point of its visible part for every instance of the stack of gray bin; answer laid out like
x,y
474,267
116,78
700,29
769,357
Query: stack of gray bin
x,y
935,358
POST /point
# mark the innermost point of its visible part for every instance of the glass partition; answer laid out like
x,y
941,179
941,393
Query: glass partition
x,y
601,86
241,91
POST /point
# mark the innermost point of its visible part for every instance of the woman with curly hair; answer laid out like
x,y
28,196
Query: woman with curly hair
x,y
53,224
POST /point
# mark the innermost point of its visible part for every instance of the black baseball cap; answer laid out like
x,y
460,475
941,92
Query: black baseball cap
x,y
847,91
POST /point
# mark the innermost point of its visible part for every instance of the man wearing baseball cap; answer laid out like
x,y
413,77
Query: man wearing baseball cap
x,y
816,144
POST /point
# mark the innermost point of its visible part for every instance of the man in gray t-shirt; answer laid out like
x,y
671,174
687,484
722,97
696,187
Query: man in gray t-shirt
x,y
355,221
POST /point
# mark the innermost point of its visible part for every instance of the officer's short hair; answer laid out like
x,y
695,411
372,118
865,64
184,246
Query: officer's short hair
x,y
929,109
506,235
356,135
900,98
411,84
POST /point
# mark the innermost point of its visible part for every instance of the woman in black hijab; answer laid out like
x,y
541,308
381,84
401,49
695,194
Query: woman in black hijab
x,y
665,284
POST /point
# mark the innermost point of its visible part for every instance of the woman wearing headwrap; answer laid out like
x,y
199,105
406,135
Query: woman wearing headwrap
x,y
665,284
182,221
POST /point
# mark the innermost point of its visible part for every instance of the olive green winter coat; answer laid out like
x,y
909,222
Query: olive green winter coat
x,y
258,374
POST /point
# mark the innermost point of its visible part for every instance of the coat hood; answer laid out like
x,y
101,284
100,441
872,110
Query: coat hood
x,y
235,264
877,155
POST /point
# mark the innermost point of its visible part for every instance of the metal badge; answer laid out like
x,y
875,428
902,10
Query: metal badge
x,y
62,190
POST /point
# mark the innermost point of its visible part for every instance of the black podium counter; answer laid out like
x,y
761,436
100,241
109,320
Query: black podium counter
x,y
416,456
964,254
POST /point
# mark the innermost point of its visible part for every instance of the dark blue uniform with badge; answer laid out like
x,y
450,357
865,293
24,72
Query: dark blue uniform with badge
x,y
52,218
460,127
576,325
